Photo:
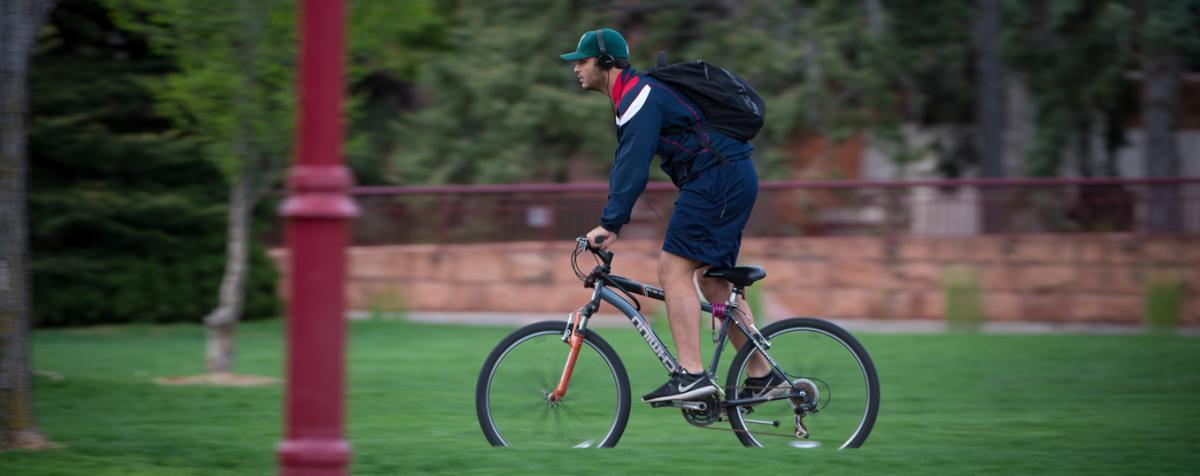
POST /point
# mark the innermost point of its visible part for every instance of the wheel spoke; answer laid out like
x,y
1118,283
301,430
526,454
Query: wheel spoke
x,y
817,354
593,411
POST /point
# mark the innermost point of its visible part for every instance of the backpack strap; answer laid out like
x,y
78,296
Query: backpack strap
x,y
662,58
701,136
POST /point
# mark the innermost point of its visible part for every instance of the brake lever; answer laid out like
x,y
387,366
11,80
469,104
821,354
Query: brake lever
x,y
605,256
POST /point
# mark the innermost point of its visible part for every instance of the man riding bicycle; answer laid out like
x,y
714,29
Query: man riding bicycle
x,y
716,194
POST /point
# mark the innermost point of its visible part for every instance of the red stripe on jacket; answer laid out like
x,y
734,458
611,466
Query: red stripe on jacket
x,y
622,86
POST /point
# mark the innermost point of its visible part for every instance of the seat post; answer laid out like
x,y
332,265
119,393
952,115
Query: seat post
x,y
737,291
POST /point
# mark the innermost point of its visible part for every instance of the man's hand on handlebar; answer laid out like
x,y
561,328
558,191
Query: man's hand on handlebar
x,y
601,238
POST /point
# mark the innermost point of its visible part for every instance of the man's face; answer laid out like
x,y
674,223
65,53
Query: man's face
x,y
591,77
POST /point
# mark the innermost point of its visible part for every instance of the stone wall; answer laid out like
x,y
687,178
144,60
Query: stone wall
x,y
1047,278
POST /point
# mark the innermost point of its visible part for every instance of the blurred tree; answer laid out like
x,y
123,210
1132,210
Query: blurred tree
x,y
1075,55
837,68
388,42
503,106
1168,35
826,67
499,116
234,92
991,88
19,23
991,104
126,215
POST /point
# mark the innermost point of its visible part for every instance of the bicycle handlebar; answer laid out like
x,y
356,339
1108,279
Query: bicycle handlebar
x,y
605,256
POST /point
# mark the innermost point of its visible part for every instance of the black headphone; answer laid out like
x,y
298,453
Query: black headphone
x,y
605,61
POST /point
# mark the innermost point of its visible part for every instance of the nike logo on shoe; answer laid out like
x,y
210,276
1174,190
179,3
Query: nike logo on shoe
x,y
701,387
682,389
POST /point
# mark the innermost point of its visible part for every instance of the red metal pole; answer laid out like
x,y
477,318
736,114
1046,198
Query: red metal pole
x,y
317,211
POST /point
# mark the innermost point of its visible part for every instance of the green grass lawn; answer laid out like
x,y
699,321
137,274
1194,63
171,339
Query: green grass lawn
x,y
955,403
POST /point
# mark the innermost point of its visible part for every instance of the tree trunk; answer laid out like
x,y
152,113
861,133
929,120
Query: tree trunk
x,y
875,18
990,107
991,90
1082,143
19,21
1160,119
254,172
1019,112
222,320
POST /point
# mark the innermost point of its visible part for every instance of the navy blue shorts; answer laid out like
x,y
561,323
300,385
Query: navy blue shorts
x,y
711,212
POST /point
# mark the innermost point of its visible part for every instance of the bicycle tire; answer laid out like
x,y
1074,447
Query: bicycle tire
x,y
505,388
817,350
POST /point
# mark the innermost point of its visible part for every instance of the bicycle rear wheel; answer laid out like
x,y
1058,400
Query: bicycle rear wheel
x,y
821,358
512,393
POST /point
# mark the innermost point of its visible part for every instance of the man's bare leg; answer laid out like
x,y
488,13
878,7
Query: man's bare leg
x,y
717,290
675,273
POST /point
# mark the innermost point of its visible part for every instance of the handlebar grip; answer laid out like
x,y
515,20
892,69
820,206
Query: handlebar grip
x,y
584,243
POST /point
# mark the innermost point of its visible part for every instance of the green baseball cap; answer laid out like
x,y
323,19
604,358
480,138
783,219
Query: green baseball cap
x,y
588,47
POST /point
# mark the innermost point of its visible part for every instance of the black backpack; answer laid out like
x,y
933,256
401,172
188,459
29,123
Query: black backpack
x,y
732,106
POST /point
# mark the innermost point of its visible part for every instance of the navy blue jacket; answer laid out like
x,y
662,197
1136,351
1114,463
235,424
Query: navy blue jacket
x,y
645,107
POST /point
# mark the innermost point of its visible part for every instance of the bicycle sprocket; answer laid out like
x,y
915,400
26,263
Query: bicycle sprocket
x,y
709,415
807,404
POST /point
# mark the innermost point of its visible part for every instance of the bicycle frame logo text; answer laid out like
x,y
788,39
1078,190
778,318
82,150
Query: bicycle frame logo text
x,y
655,345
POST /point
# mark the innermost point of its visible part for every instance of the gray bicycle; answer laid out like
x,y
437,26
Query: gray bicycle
x,y
559,384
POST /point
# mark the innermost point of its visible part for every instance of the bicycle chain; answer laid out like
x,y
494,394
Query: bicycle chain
x,y
734,430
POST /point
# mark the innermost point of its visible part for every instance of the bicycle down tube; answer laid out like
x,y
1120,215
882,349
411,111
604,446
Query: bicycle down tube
x,y
577,323
643,327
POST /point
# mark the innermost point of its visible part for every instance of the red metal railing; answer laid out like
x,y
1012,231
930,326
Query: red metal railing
x,y
523,212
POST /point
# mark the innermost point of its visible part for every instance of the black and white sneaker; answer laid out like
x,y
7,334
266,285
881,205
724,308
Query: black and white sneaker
x,y
765,386
683,386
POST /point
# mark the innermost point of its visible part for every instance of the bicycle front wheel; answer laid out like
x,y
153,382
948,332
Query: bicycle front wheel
x,y
834,370
512,396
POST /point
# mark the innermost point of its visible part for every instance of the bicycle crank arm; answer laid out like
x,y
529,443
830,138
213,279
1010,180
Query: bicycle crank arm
x,y
697,406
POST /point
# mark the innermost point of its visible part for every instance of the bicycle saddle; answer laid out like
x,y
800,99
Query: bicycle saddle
x,y
740,276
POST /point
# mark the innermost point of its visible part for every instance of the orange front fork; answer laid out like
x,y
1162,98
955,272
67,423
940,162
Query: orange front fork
x,y
575,341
